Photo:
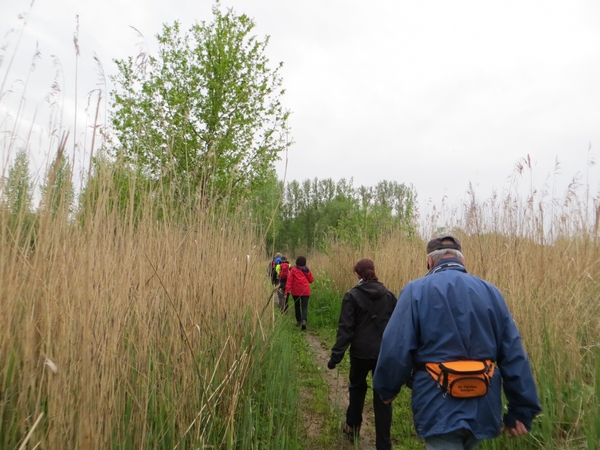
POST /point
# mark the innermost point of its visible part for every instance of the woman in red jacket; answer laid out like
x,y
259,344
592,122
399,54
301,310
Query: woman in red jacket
x,y
298,283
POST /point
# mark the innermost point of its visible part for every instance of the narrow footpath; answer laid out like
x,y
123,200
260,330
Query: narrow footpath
x,y
338,398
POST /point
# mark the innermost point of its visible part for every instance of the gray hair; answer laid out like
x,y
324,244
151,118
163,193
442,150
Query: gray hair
x,y
436,255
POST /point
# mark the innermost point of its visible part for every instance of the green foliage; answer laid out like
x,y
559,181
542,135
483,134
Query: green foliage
x,y
403,429
383,208
17,202
262,207
204,115
316,211
325,303
267,416
18,186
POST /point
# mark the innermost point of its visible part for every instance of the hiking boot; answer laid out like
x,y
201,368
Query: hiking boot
x,y
304,324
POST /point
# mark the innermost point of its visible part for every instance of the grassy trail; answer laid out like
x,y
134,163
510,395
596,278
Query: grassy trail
x,y
337,383
324,398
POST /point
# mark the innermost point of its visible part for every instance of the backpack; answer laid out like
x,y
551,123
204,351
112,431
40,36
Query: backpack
x,y
284,270
273,272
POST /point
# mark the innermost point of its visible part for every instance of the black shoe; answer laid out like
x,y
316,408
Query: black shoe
x,y
351,433
304,324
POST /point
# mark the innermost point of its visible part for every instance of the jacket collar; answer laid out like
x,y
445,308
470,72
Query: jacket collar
x,y
448,264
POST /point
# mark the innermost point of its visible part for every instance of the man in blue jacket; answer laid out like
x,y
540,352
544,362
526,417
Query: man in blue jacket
x,y
449,315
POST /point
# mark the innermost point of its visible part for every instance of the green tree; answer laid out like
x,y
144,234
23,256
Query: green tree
x,y
17,201
263,210
204,116
18,186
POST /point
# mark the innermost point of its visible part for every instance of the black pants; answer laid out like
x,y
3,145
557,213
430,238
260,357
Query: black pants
x,y
359,369
301,315
282,299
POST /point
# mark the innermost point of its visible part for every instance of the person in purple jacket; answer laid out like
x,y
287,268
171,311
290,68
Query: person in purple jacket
x,y
450,315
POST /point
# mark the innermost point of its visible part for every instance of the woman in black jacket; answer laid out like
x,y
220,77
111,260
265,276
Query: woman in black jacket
x,y
366,310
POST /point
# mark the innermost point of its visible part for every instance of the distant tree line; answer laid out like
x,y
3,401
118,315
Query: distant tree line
x,y
295,217
315,212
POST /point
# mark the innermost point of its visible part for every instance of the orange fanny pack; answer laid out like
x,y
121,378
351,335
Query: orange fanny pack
x,y
463,379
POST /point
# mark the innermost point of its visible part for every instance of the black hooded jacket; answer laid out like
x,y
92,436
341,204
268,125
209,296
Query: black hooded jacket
x,y
357,327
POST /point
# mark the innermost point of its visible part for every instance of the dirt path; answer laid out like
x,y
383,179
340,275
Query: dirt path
x,y
338,394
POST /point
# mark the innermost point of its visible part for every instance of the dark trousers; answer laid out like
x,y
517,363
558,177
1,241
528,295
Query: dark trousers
x,y
301,314
283,303
359,369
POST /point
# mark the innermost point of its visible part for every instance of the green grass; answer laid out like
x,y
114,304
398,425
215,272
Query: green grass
x,y
267,416
314,407
324,305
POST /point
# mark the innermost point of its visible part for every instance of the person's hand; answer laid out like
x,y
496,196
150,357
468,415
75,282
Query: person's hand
x,y
516,431
331,365
387,401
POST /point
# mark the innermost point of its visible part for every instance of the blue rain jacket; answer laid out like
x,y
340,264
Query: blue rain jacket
x,y
451,315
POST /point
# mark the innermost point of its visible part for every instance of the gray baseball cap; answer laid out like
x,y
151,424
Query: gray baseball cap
x,y
444,242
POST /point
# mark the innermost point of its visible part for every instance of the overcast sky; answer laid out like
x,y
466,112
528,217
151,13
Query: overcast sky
x,y
434,94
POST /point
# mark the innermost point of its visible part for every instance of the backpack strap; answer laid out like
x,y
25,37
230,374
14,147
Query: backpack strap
x,y
370,311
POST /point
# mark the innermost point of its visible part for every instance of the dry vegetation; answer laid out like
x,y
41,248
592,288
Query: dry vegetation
x,y
120,330
126,336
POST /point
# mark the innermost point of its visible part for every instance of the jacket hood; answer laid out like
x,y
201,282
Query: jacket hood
x,y
372,289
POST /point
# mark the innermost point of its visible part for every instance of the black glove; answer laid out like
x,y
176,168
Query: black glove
x,y
331,364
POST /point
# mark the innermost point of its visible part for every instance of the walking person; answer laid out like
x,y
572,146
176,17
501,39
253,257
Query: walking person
x,y
298,284
450,318
283,270
272,272
366,310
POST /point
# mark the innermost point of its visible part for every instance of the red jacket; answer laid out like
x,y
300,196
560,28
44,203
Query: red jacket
x,y
298,281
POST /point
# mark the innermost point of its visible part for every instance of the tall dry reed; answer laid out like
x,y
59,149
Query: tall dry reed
x,y
127,335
